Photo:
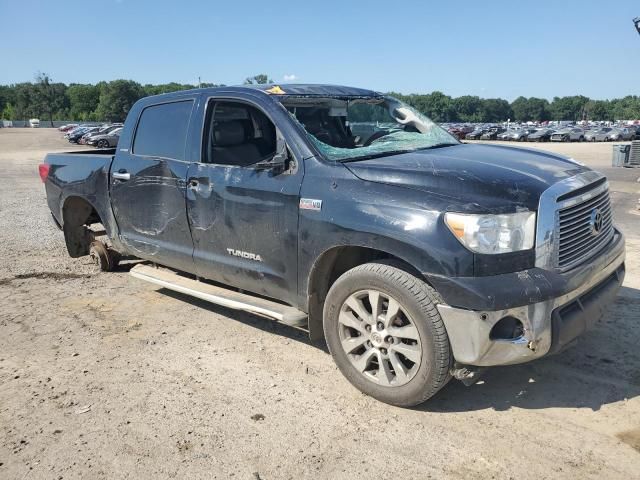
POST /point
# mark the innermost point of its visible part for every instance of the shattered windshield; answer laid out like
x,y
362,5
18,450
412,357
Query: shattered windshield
x,y
347,129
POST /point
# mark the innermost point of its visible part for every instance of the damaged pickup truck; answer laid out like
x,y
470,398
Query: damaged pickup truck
x,y
343,211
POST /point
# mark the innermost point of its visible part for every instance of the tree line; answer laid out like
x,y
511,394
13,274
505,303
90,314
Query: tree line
x,y
443,108
111,101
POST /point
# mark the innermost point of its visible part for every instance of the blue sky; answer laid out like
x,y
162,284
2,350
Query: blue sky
x,y
488,48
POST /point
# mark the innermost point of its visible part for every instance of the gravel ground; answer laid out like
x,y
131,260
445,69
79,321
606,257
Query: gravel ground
x,y
104,376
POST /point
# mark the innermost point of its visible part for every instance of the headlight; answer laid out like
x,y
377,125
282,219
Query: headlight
x,y
490,234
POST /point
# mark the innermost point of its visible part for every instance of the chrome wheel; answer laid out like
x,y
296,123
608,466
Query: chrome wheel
x,y
380,339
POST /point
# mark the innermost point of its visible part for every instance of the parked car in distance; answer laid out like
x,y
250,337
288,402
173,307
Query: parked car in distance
x,y
572,134
102,131
75,137
34,123
105,140
67,127
492,133
598,135
516,135
621,134
541,135
77,129
476,134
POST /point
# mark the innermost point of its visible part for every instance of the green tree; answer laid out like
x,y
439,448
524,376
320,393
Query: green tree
x,y
496,110
8,112
83,100
627,108
598,110
468,108
49,97
6,96
259,79
25,101
117,98
530,109
568,108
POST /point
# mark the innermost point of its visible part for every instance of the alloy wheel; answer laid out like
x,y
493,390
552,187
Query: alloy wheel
x,y
379,337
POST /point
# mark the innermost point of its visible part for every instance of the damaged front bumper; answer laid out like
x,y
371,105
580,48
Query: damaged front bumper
x,y
552,308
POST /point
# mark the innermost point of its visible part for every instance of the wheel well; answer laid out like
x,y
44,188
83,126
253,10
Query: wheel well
x,y
77,215
329,267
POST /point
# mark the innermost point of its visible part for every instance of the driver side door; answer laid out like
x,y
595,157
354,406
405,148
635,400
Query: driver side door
x,y
244,218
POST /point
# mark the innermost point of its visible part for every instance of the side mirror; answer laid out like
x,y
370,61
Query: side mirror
x,y
278,162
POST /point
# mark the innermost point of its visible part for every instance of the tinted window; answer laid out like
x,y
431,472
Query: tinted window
x,y
162,130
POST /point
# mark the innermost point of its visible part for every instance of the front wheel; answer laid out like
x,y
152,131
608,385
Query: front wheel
x,y
103,144
386,335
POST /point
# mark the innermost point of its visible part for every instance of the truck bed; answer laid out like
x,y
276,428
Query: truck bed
x,y
83,173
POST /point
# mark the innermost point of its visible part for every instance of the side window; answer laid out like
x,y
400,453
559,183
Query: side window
x,y
238,134
162,130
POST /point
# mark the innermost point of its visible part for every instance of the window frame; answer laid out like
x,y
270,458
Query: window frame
x,y
207,117
187,135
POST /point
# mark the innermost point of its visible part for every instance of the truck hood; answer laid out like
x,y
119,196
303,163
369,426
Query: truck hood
x,y
472,177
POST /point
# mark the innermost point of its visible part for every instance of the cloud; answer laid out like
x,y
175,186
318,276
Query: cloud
x,y
290,78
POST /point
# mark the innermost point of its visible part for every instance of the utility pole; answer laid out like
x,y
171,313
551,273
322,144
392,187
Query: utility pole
x,y
199,82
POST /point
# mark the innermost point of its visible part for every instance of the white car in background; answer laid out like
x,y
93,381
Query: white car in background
x,y
34,123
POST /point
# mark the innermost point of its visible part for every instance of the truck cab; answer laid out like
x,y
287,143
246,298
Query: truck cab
x,y
415,257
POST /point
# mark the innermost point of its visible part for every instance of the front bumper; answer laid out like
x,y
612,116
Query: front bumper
x,y
554,309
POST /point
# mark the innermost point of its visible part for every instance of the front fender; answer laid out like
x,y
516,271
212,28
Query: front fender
x,y
401,222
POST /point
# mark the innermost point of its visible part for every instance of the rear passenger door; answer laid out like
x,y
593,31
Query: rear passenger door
x,y
244,218
148,181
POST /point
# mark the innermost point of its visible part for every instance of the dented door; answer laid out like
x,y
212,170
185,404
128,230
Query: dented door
x,y
148,184
244,225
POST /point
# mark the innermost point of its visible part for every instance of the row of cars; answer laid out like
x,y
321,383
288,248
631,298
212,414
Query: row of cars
x,y
100,136
566,133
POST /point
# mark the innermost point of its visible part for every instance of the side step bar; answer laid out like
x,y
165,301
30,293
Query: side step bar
x,y
220,296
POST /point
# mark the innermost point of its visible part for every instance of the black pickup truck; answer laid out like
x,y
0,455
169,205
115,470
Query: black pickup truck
x,y
417,258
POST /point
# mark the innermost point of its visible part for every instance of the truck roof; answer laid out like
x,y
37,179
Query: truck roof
x,y
298,89
317,89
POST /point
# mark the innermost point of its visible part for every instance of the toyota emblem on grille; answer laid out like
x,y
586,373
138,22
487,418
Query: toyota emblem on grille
x,y
595,221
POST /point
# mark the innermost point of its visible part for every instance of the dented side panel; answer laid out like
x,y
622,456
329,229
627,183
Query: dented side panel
x,y
244,224
150,210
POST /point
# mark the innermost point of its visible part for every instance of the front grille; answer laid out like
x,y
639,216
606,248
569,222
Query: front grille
x,y
575,225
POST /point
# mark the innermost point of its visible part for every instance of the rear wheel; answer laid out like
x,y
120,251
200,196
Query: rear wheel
x,y
106,260
386,335
103,144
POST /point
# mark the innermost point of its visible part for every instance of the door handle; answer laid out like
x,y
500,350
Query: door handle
x,y
121,175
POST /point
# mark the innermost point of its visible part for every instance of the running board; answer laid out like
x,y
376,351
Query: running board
x,y
220,296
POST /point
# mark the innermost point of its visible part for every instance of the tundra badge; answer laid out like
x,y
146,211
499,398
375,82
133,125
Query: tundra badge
x,y
248,255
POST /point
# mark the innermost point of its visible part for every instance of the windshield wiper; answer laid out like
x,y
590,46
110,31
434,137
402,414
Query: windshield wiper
x,y
375,155
439,145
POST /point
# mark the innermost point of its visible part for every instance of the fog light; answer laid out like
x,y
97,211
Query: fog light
x,y
507,328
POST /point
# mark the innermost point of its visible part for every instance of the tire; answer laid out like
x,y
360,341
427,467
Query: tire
x,y
425,371
103,144
581,139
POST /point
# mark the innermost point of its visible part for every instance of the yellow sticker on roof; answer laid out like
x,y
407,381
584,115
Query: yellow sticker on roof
x,y
275,90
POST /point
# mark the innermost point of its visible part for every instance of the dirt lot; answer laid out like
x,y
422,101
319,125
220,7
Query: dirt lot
x,y
104,376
